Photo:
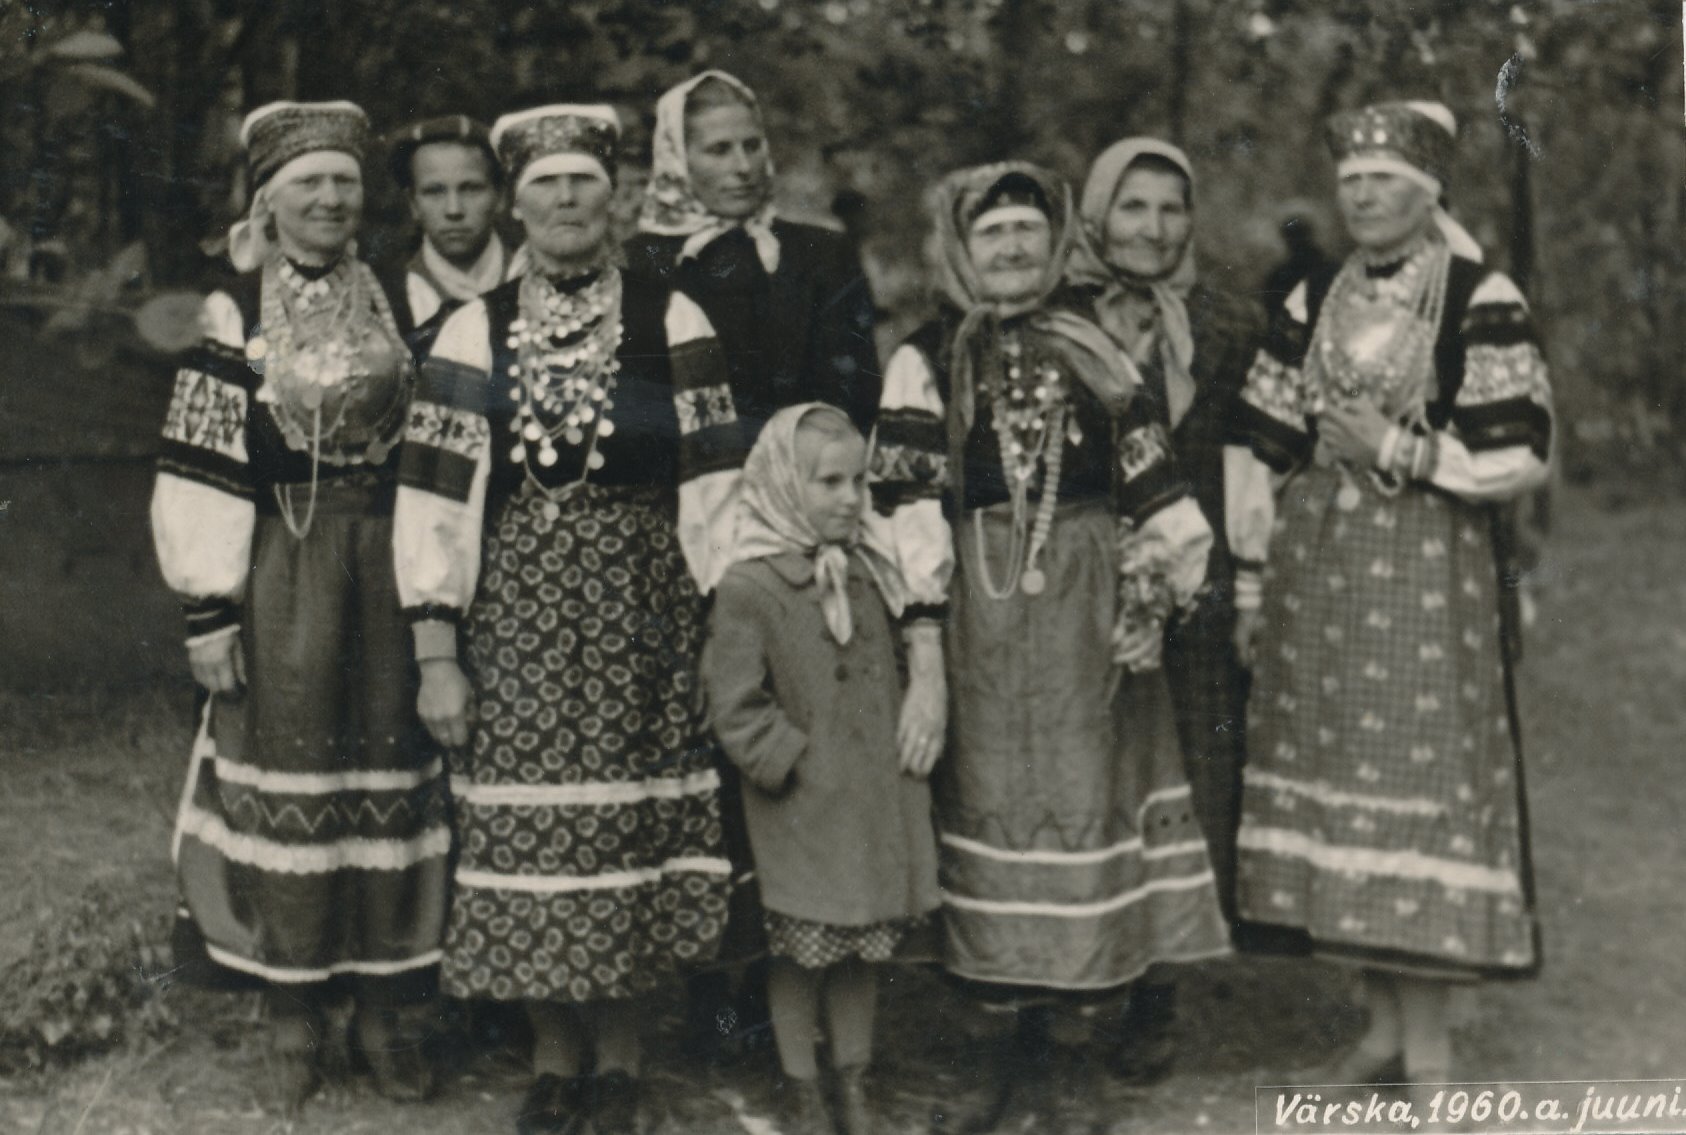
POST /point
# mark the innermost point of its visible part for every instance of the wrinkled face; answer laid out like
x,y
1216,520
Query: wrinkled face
x,y
566,217
1010,250
453,198
1149,224
1383,210
726,156
833,483
317,209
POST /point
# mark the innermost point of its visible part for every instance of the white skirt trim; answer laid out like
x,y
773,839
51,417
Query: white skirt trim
x,y
608,880
1359,861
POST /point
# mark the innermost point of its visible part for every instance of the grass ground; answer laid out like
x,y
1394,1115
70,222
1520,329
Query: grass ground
x,y
90,780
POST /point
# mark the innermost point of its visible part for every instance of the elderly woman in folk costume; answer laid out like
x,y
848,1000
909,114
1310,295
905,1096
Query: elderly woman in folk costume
x,y
1398,400
794,316
1192,344
1037,519
536,521
313,833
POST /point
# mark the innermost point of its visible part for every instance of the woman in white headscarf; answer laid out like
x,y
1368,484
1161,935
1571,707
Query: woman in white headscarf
x,y
794,316
1399,399
312,838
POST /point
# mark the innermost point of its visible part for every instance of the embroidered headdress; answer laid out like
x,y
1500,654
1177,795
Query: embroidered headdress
x,y
564,137
671,206
275,134
1414,139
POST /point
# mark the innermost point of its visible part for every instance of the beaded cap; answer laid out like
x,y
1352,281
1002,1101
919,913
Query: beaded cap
x,y
528,135
1420,134
275,134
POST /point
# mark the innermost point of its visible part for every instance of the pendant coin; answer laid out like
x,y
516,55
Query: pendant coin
x,y
1033,582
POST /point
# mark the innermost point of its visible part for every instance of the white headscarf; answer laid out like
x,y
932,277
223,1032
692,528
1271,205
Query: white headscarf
x,y
671,206
772,521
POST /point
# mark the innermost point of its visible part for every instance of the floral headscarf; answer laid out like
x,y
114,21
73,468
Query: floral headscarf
x,y
772,521
1098,362
1089,266
671,206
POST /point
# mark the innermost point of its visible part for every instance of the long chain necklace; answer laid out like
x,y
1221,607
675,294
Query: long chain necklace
x,y
1377,337
565,370
1030,429
325,313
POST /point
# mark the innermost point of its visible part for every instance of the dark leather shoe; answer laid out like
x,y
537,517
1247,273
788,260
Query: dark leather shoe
x,y
854,1106
614,1104
555,1105
801,1108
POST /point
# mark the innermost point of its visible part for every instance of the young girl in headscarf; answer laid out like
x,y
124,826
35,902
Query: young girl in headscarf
x,y
801,675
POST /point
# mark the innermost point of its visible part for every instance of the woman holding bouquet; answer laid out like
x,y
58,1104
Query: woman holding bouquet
x,y
1044,538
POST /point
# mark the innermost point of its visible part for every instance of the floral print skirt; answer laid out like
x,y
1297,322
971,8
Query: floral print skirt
x,y
590,863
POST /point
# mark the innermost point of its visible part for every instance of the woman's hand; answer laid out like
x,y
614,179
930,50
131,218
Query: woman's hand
x,y
442,703
1138,648
1354,431
218,664
1247,624
923,725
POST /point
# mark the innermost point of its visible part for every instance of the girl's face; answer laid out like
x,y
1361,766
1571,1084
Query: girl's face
x,y
833,486
726,156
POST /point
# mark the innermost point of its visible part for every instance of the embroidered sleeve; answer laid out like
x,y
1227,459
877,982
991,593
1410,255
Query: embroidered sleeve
x,y
908,473
755,732
1270,417
1180,538
202,502
1498,444
712,442
1147,477
442,478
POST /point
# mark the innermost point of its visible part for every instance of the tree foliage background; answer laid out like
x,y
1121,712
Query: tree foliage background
x,y
1571,168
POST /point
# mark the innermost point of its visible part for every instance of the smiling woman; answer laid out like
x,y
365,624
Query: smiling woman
x,y
312,839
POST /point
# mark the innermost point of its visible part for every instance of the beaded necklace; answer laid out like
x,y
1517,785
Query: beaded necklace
x,y
1376,338
336,374
1031,428
565,369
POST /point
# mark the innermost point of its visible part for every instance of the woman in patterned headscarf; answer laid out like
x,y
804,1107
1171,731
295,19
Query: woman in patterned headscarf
x,y
1399,398
312,838
536,521
1044,538
794,315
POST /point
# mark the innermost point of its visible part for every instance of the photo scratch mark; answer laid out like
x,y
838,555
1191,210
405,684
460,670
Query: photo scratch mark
x,y
1510,75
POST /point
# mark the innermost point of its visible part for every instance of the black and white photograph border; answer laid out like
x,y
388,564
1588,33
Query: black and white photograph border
x,y
125,171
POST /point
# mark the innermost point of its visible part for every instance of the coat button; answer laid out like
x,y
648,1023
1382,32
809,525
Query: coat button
x,y
842,671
